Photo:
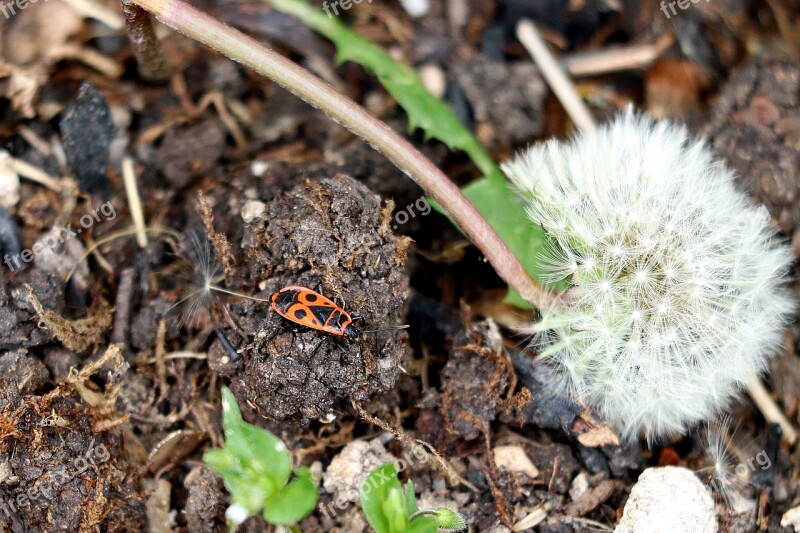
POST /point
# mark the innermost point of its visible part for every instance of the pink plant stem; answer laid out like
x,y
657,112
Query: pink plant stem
x,y
246,50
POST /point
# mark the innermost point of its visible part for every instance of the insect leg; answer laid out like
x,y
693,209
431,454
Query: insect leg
x,y
223,339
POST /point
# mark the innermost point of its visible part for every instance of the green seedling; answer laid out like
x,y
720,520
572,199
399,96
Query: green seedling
x,y
390,508
256,467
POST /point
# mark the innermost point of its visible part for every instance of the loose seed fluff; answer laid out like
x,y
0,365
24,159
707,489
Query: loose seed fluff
x,y
676,293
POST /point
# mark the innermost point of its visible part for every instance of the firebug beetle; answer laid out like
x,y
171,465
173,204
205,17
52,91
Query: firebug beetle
x,y
311,309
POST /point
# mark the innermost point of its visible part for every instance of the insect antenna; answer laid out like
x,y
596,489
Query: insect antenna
x,y
393,328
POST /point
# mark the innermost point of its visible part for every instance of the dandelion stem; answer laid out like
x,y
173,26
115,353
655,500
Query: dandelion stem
x,y
246,50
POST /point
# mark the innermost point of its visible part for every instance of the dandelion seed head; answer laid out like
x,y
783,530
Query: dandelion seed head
x,y
677,283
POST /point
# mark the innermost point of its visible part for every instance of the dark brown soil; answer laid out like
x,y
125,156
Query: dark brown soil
x,y
293,199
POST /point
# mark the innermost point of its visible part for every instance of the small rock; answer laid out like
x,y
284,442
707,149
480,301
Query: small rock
x,y
416,8
253,210
58,252
579,486
792,518
350,468
9,182
434,79
515,460
205,505
10,239
668,499
259,167
87,130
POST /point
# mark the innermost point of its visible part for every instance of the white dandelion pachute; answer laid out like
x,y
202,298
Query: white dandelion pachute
x,y
677,283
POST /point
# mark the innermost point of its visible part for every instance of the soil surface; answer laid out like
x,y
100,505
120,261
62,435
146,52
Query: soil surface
x,y
113,349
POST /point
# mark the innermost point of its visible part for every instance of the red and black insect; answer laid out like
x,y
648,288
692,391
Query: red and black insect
x,y
309,308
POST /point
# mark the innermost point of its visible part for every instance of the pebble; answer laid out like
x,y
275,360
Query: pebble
x,y
9,182
350,468
791,518
579,486
515,460
253,210
666,500
87,130
416,8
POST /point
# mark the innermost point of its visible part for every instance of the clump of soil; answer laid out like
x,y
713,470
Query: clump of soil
x,y
756,126
477,376
58,471
334,233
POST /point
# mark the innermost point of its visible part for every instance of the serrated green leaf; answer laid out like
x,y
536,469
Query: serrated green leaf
x,y
292,503
425,111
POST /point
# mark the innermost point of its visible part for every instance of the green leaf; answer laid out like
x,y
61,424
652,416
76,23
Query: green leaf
x,y
374,492
394,509
255,466
222,462
426,112
505,212
423,524
411,498
292,503
256,448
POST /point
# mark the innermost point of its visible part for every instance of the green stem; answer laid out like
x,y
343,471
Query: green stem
x,y
239,47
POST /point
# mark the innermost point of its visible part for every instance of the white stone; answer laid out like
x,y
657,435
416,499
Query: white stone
x,y
579,486
416,8
253,210
434,79
667,500
9,182
350,468
515,460
792,518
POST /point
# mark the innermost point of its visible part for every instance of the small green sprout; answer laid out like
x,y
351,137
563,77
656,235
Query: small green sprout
x,y
392,509
255,466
